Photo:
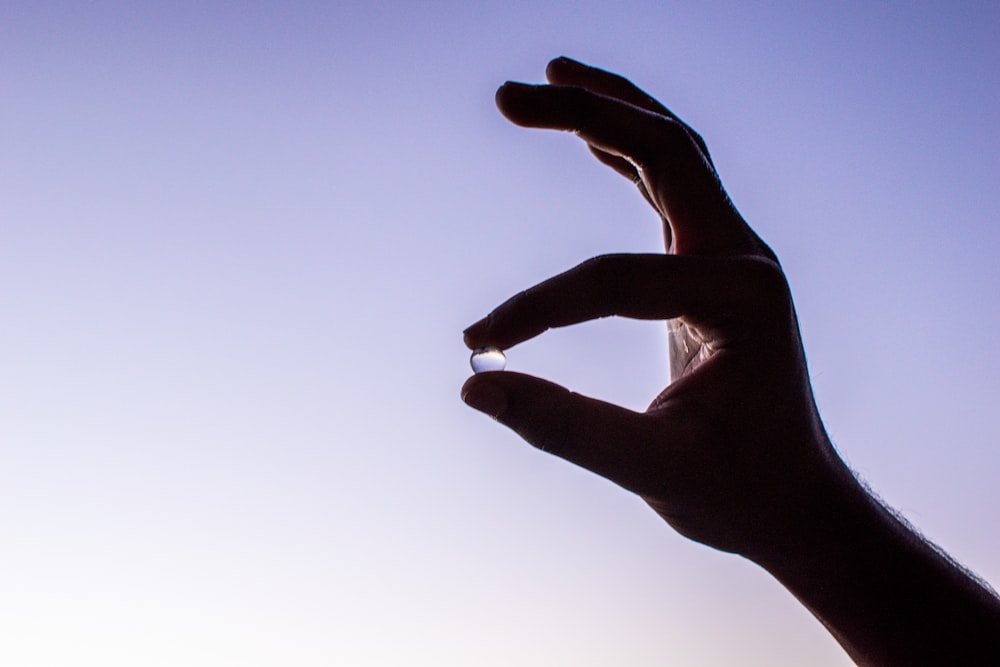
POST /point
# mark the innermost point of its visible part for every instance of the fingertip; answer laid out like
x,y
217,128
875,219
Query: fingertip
x,y
562,65
511,90
480,393
473,335
510,95
499,95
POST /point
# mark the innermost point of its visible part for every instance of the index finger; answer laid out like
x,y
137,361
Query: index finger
x,y
711,291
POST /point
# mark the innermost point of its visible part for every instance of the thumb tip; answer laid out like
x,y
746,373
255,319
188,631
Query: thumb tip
x,y
481,394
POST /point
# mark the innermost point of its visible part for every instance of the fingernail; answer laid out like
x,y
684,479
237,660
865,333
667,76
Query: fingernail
x,y
569,62
515,88
557,69
486,397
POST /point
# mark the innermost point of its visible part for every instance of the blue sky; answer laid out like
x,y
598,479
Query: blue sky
x,y
238,245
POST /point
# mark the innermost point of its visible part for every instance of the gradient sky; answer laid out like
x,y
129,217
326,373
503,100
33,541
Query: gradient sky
x,y
238,245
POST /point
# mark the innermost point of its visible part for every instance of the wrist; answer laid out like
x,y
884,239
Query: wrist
x,y
886,594
826,510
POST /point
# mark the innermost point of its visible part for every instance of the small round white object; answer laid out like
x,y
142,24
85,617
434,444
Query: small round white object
x,y
487,359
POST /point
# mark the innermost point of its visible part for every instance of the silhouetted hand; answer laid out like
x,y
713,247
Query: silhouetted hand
x,y
732,453
730,450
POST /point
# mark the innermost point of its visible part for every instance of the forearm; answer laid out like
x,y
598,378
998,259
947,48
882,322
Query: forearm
x,y
888,596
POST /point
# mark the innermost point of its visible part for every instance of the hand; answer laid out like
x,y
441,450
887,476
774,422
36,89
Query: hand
x,y
731,449
732,453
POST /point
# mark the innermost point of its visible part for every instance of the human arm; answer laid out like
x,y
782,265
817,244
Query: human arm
x,y
732,453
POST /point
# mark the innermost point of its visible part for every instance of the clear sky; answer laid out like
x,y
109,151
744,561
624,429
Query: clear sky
x,y
238,245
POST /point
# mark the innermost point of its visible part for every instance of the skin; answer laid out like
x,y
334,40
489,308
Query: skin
x,y
733,453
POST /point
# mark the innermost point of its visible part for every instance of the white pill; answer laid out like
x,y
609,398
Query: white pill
x,y
488,359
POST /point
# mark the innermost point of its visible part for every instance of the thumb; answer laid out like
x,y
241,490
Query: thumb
x,y
601,437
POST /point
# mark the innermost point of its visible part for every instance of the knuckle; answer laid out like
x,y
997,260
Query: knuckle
x,y
764,286
529,303
673,131
608,277
674,145
698,140
603,266
581,102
